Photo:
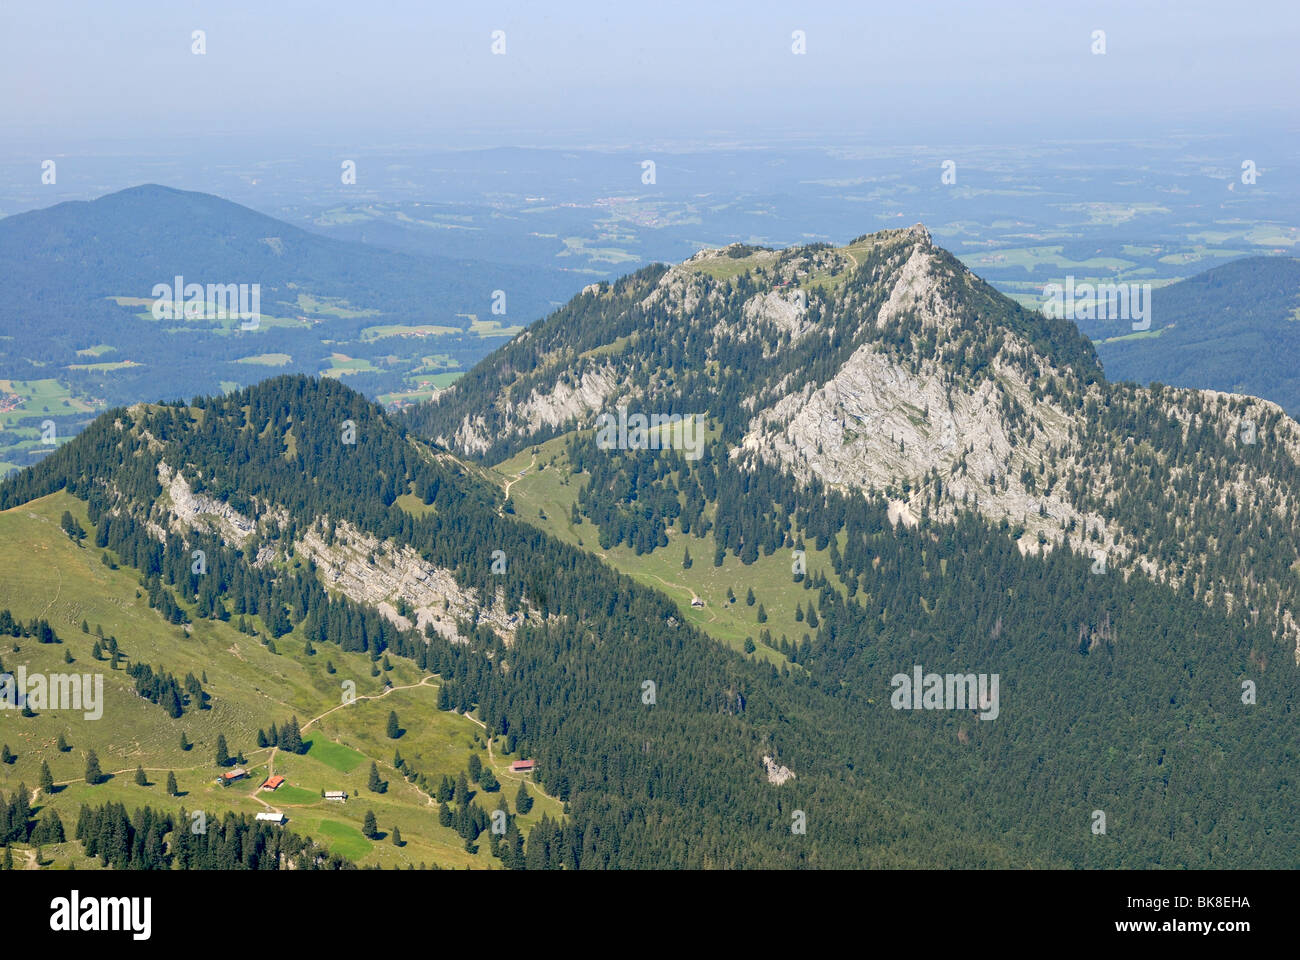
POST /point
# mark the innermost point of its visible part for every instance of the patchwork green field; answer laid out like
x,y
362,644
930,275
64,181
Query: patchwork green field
x,y
104,367
332,306
341,365
406,330
493,328
35,401
98,350
39,397
429,384
267,359
335,755
1051,257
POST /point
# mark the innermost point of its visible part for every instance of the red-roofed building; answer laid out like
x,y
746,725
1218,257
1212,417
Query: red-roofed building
x,y
237,774
522,766
274,782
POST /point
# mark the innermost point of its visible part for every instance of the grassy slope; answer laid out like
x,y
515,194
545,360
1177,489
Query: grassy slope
x,y
46,575
549,487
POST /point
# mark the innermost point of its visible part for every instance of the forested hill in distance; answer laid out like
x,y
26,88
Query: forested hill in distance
x,y
331,534
1234,328
77,330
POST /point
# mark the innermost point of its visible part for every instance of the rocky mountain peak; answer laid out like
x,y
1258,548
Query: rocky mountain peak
x,y
885,366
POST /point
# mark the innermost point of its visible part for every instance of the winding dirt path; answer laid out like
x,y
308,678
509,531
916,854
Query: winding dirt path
x,y
713,617
522,473
408,686
58,591
429,799
424,682
498,773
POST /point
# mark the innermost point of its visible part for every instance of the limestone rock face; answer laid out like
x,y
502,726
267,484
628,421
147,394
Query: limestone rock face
x,y
191,511
566,402
877,425
779,311
356,564
777,774
380,573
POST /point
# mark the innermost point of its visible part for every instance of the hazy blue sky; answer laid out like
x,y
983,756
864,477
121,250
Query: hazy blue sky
x,y
386,71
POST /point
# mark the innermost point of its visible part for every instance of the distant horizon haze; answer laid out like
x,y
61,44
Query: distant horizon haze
x,y
585,74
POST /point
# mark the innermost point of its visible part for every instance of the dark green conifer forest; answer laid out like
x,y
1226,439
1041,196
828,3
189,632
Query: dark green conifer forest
x,y
1118,693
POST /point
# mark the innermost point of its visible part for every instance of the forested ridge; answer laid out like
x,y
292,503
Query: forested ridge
x,y
1196,489
1118,694
1230,328
1129,681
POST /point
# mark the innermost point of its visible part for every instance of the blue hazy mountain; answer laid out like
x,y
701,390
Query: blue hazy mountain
x,y
78,290
1234,328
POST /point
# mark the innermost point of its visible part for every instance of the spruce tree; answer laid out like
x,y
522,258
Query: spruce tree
x,y
49,830
172,788
370,828
47,779
523,799
140,778
223,753
394,729
93,774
